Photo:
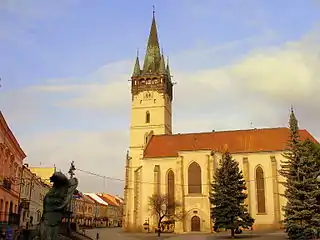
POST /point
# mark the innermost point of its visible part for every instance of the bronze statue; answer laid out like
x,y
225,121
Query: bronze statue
x,y
55,205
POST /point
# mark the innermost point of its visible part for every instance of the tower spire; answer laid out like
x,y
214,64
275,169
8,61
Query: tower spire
x,y
162,66
168,69
136,69
153,56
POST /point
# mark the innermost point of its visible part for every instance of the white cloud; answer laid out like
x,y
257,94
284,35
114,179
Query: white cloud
x,y
107,88
287,74
100,152
260,86
256,88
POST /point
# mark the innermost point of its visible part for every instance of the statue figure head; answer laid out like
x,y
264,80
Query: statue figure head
x,y
59,180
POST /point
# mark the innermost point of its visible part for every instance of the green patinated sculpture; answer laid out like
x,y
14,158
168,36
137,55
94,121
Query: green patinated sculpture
x,y
55,205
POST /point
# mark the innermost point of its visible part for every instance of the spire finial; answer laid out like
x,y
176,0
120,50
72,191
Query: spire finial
x,y
291,108
153,10
137,52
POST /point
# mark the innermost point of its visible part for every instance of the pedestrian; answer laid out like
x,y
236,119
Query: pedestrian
x,y
98,236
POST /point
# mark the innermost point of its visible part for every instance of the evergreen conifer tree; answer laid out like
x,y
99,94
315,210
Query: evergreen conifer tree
x,y
227,197
301,169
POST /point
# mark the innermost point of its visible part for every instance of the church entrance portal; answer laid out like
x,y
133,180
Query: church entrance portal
x,y
195,224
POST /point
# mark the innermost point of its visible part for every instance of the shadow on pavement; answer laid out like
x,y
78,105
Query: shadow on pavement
x,y
244,236
253,236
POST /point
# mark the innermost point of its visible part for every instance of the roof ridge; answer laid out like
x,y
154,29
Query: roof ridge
x,y
222,131
243,140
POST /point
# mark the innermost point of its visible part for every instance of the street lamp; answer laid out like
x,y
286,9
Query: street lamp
x,y
146,225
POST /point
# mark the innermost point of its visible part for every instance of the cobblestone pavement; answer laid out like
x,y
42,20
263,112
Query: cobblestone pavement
x,y
117,234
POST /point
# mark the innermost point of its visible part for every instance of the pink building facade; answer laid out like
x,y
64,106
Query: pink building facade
x,y
11,161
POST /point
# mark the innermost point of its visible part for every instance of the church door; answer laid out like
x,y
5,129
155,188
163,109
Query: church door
x,y
195,224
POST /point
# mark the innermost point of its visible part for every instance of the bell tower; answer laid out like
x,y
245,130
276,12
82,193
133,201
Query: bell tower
x,y
151,90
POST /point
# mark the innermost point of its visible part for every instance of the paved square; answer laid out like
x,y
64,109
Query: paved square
x,y
116,233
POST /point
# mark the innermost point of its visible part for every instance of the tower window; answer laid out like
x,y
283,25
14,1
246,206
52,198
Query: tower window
x,y
146,136
147,117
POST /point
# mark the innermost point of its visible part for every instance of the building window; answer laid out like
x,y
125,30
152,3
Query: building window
x,y
146,138
194,178
156,177
170,192
147,117
260,190
38,216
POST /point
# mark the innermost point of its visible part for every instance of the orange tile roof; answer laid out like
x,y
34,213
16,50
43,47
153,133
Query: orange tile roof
x,y
238,141
108,199
115,199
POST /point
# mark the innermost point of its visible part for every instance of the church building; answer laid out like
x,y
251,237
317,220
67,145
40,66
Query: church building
x,y
183,165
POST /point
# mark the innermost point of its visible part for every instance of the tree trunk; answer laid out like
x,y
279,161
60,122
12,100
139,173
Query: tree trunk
x,y
232,232
159,227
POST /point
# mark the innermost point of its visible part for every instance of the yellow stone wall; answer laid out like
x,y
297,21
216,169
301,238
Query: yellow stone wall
x,y
159,107
141,183
198,204
44,173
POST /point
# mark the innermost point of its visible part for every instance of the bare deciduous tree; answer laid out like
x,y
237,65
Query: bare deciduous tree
x,y
163,207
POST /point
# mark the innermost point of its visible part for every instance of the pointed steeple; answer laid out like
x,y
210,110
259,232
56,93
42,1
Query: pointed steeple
x,y
155,73
168,69
153,56
162,66
136,69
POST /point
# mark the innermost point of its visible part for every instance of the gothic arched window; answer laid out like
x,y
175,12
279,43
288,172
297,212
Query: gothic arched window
x,y
147,117
156,179
146,138
170,192
260,188
194,178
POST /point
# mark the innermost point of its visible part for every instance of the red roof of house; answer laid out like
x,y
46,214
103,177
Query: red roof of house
x,y
238,141
108,199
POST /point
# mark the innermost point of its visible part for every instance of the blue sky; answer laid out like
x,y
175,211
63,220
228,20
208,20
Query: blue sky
x,y
65,64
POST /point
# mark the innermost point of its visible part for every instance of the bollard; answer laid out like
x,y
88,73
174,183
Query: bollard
x,y
98,236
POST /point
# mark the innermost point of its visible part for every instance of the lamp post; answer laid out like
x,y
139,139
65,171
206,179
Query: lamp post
x,y
146,225
19,197
33,180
